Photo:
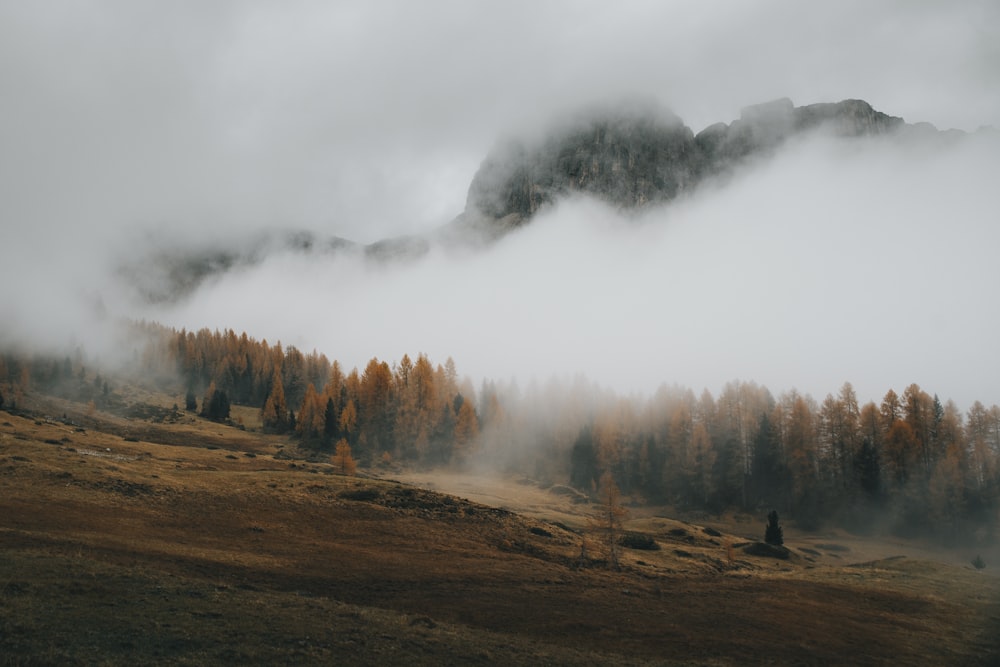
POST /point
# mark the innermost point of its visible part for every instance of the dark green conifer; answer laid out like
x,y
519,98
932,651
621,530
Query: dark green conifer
x,y
773,533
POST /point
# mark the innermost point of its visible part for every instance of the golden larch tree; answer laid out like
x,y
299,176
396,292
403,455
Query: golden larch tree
x,y
343,462
274,414
466,429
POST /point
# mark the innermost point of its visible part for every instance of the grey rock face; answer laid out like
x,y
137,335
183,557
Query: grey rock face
x,y
634,157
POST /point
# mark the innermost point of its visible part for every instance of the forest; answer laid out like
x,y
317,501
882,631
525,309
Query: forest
x,y
910,465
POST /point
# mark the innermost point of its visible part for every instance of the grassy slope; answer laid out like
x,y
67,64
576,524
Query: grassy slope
x,y
196,543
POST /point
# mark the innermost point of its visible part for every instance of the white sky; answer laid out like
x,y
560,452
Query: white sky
x,y
368,119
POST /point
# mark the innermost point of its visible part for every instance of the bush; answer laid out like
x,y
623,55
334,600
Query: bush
x,y
638,541
362,495
767,550
978,563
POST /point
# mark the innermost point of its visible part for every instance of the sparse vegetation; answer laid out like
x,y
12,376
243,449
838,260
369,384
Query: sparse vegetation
x,y
638,541
134,454
150,541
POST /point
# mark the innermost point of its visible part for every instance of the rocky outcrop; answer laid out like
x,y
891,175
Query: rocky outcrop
x,y
638,155
628,157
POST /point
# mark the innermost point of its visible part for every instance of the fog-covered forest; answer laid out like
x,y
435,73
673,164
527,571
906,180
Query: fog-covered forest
x,y
913,464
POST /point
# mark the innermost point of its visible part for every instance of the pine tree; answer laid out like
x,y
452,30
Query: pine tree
x,y
331,426
206,400
773,533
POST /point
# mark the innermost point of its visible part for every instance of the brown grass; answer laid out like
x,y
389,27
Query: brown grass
x,y
160,550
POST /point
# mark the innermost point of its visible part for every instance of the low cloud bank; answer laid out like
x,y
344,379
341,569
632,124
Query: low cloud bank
x,y
869,262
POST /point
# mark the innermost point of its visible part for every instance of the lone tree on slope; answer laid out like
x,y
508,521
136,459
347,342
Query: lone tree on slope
x,y
773,533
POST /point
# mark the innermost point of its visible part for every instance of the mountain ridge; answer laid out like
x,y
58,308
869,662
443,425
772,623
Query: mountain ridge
x,y
631,156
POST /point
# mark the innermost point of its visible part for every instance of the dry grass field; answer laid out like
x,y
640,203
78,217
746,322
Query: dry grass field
x,y
161,538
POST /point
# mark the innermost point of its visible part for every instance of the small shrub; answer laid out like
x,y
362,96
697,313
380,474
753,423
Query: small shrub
x,y
978,563
638,541
363,495
767,550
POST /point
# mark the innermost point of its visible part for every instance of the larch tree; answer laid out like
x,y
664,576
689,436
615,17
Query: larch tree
x,y
800,454
376,406
919,413
946,492
676,471
293,374
274,414
466,429
768,474
309,425
343,462
891,409
701,461
978,435
207,398
609,519
902,451
349,421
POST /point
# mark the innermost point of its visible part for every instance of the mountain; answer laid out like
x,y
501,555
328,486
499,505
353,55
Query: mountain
x,y
631,156
637,156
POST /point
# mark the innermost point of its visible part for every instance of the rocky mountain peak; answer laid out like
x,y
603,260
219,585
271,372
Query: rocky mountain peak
x,y
636,155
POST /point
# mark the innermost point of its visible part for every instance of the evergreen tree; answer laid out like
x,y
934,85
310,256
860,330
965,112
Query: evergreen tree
x,y
190,401
769,474
218,406
773,533
868,470
583,461
330,421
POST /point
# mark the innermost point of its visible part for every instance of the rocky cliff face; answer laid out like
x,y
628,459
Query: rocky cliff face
x,y
628,157
636,156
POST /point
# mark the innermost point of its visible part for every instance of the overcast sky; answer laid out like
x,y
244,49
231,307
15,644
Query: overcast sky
x,y
369,119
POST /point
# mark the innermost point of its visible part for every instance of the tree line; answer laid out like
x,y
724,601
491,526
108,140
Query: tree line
x,y
413,409
910,463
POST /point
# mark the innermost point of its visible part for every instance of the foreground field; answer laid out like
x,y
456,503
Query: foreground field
x,y
170,540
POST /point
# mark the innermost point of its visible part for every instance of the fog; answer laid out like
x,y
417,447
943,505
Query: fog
x,y
128,125
829,263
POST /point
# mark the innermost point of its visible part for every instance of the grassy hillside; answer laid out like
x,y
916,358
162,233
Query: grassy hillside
x,y
160,538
